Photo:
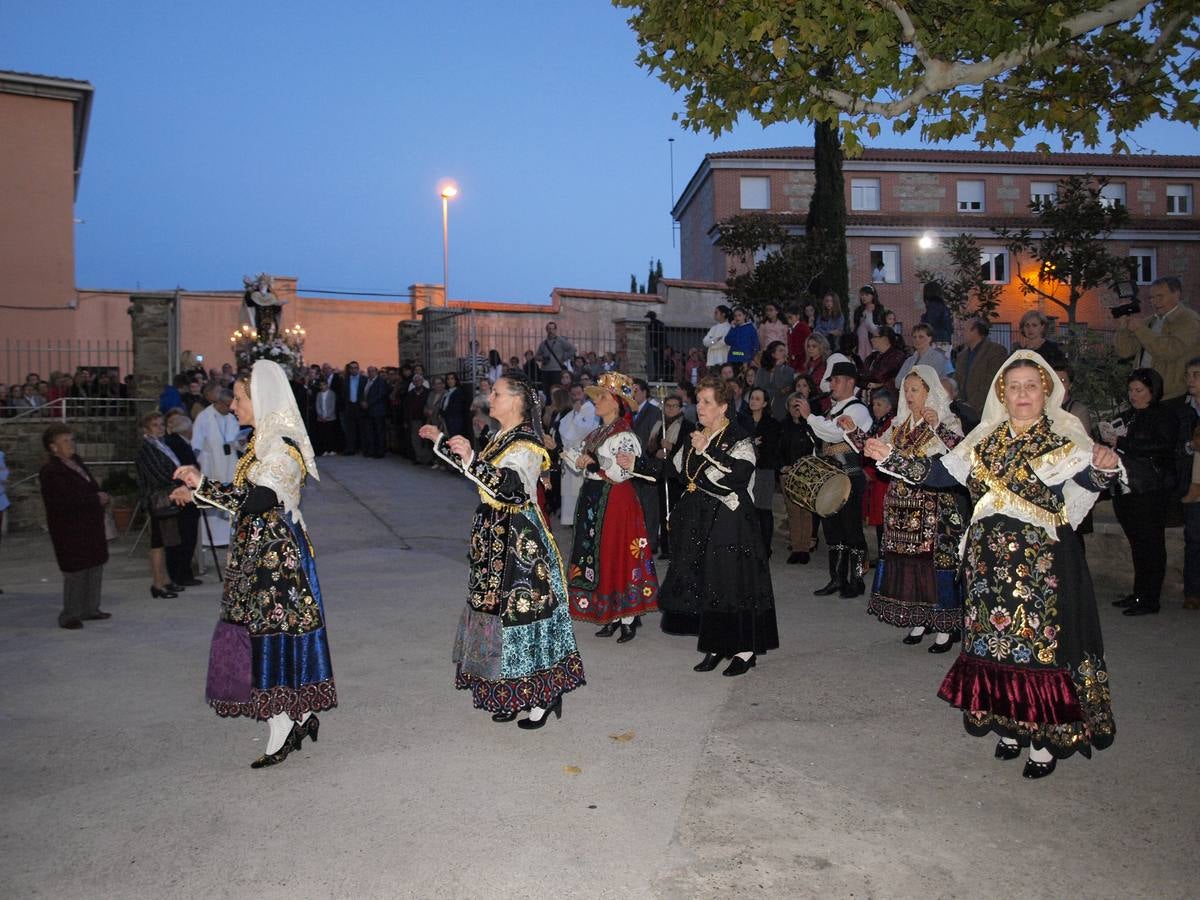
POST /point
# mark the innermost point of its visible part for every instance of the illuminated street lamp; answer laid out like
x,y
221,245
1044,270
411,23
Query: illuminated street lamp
x,y
927,241
448,189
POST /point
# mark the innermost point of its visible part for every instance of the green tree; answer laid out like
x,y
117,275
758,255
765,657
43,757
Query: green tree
x,y
989,69
1070,244
826,223
790,268
633,284
967,293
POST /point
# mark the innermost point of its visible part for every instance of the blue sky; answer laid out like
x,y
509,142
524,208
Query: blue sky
x,y
308,139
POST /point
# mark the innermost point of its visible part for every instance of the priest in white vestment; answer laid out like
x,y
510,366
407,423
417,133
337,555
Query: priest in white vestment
x,y
215,440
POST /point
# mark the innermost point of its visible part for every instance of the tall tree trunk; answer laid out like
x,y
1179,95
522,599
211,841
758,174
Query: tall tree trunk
x,y
826,225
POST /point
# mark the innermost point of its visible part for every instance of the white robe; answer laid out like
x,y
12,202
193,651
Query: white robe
x,y
210,432
573,428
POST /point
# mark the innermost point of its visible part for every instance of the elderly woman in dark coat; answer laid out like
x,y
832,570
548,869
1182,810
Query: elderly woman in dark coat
x,y
75,516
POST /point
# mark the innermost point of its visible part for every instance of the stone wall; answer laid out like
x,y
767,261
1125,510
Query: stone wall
x,y
152,351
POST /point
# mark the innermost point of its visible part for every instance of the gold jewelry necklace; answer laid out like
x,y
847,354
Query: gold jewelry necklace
x,y
691,477
242,469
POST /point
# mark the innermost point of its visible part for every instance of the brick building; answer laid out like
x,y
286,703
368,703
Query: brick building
x,y
894,198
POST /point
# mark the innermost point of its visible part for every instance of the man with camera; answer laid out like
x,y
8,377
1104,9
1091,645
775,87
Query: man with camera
x,y
1166,340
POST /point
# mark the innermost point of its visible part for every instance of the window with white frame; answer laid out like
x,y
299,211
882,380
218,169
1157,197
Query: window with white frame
x,y
993,265
864,194
1113,195
1041,192
970,196
885,263
756,192
1179,199
1145,264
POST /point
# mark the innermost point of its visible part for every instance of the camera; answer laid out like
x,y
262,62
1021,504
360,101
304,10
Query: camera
x,y
1131,308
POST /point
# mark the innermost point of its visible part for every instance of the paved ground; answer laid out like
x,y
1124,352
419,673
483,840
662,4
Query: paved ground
x,y
830,770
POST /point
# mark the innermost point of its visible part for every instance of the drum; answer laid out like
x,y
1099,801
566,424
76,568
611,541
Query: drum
x,y
817,485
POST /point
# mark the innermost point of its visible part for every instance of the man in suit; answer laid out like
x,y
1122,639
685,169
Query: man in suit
x,y
976,364
374,403
1166,340
647,425
350,397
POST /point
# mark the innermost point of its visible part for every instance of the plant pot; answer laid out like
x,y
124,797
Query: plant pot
x,y
122,515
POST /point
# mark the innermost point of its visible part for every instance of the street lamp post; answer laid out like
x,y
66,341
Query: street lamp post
x,y
448,190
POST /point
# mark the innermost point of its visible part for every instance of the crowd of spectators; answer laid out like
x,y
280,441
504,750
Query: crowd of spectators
x,y
95,388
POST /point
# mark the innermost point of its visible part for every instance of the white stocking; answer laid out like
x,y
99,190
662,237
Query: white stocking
x,y
1008,742
1040,754
943,637
917,632
280,726
304,718
536,713
627,620
746,655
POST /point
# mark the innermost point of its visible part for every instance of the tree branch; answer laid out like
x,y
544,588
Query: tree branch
x,y
941,76
908,31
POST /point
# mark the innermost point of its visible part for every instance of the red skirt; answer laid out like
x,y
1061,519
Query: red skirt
x,y
611,574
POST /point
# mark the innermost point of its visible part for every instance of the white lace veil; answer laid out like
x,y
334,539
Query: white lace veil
x,y
938,401
1077,499
276,416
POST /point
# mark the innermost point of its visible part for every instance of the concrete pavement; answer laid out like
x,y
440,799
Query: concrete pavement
x,y
830,770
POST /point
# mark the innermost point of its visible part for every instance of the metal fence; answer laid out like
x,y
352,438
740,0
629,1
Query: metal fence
x,y
510,340
20,357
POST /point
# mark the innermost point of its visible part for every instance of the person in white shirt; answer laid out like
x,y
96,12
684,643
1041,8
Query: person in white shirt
x,y
572,429
844,528
718,350
215,441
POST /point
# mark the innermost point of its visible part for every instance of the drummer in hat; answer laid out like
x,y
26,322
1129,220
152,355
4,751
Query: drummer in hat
x,y
611,579
844,528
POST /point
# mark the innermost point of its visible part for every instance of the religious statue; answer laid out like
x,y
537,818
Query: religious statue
x,y
264,304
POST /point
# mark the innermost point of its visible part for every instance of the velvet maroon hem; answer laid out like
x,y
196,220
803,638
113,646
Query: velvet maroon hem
x,y
1042,696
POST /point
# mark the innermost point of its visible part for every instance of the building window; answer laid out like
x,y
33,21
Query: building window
x,y
1113,195
885,263
1179,199
993,265
970,196
763,252
1043,192
756,192
864,194
1144,269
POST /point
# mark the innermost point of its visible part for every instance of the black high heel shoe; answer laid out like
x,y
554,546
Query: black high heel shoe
x,y
162,593
913,638
309,730
628,632
608,630
710,662
555,707
1006,751
504,716
177,588
272,759
739,666
955,636
1038,769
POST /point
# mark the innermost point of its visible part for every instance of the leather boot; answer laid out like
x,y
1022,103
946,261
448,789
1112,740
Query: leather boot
x,y
837,554
852,581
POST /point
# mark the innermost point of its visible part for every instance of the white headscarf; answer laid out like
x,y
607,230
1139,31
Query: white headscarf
x,y
276,416
938,401
1061,471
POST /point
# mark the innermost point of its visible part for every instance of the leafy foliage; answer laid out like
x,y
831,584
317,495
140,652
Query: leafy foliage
x,y
1070,244
989,69
966,291
826,225
791,269
1099,373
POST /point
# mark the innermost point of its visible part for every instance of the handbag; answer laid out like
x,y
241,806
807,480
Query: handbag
x,y
161,504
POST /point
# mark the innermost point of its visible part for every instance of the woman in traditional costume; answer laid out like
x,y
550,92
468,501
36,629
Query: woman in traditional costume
x,y
916,581
719,585
1032,662
515,647
611,579
269,658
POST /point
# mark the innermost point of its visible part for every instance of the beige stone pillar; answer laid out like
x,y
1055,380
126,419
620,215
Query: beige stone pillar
x,y
631,346
152,317
410,336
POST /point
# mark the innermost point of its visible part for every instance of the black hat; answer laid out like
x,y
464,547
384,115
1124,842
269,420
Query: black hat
x,y
844,368
650,315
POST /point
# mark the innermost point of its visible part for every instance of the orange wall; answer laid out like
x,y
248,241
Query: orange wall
x,y
37,204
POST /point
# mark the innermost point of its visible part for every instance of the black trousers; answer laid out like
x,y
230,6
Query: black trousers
x,y
375,435
179,559
845,527
1143,518
352,427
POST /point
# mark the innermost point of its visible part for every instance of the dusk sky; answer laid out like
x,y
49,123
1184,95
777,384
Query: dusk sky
x,y
308,139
